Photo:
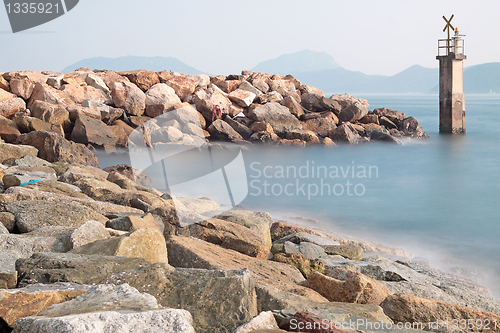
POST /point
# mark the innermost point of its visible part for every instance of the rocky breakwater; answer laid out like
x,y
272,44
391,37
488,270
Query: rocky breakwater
x,y
101,108
88,249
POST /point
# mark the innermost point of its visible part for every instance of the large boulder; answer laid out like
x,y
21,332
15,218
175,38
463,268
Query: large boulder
x,y
50,113
241,129
8,151
128,97
292,105
305,265
31,300
393,115
54,148
33,214
303,135
278,116
322,125
160,99
154,321
69,267
353,112
264,321
344,133
141,243
219,300
206,98
318,103
340,285
182,86
8,273
22,87
9,131
406,308
11,106
220,130
5,95
411,127
242,97
92,131
143,79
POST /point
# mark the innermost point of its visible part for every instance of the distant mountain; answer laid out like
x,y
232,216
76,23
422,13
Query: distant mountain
x,y
302,61
127,63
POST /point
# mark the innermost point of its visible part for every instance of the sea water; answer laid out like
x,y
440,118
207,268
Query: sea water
x,y
436,197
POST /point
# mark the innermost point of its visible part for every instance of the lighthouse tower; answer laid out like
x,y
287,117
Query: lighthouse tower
x,y
451,74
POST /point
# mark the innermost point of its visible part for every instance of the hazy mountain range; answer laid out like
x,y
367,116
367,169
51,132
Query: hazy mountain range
x,y
320,70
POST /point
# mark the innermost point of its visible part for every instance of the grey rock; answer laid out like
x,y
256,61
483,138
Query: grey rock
x,y
219,300
220,130
256,221
241,129
278,116
8,150
299,237
344,133
88,232
102,298
67,267
411,127
33,214
308,250
8,273
3,230
264,321
384,137
156,321
31,161
384,121
317,103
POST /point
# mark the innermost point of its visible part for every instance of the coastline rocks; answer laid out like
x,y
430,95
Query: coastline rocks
x,y
206,98
30,300
68,267
353,112
278,116
54,148
160,99
264,321
10,107
341,285
182,86
8,130
411,127
220,130
303,264
141,243
33,214
88,130
347,251
344,133
318,103
143,79
8,273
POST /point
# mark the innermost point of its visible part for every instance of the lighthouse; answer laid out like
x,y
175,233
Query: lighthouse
x,y
451,81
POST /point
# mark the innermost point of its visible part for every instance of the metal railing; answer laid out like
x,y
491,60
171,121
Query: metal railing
x,y
450,46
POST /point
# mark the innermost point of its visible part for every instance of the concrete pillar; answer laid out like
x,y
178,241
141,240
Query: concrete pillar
x,y
451,92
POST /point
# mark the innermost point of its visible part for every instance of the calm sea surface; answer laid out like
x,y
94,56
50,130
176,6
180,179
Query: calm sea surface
x,y
438,198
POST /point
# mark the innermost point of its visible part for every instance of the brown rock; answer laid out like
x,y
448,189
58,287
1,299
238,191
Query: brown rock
x,y
22,87
141,243
261,85
5,95
126,128
370,118
142,78
319,103
281,229
182,86
50,113
309,322
220,130
411,127
205,100
392,115
129,97
242,97
88,130
29,124
353,112
80,93
340,285
8,220
121,135
294,106
278,116
32,75
304,135
164,76
348,251
8,151
28,301
305,265
243,130
43,92
111,76
228,86
321,126
228,235
160,99
260,126
8,130
11,106
132,222
4,84
194,253
345,100
53,148
307,89
344,133
271,97
405,308
75,111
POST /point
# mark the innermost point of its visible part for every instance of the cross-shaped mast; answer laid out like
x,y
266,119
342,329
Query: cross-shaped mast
x,y
447,27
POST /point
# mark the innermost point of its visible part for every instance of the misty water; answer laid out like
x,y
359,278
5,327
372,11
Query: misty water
x,y
437,198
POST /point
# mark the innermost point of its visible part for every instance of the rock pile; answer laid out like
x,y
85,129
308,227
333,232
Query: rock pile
x,y
77,254
101,108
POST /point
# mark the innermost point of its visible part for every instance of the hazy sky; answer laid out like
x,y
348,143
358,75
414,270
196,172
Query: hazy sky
x,y
223,37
